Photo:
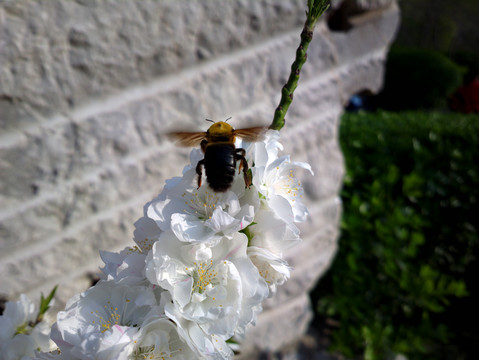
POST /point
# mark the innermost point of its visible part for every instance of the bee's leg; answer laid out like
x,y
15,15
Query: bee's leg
x,y
203,144
244,165
240,155
199,171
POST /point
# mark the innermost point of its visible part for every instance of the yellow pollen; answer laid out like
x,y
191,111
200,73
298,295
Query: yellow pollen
x,y
113,317
203,276
201,206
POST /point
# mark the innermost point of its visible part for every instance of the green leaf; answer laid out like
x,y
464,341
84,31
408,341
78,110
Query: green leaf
x,y
247,232
45,304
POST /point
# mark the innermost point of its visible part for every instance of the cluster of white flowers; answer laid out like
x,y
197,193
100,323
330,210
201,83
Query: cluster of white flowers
x,y
203,263
20,331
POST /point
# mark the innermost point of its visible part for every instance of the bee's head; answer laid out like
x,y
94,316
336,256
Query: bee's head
x,y
220,129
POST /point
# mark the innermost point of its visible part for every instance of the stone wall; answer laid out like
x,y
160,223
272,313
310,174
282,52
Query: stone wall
x,y
88,88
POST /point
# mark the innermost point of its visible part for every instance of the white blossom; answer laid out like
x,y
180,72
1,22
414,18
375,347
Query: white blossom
x,y
145,234
214,286
272,233
159,339
265,152
203,263
104,322
270,237
51,355
128,266
272,268
206,346
18,337
202,215
274,178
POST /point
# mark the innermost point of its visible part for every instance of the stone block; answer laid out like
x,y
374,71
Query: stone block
x,y
277,328
62,54
88,90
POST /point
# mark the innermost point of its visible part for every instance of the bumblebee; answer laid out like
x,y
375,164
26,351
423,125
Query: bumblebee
x,y
221,155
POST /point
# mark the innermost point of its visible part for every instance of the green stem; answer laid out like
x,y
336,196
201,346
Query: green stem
x,y
315,9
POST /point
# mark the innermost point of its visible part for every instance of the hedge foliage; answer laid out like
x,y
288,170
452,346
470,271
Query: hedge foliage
x,y
404,279
418,79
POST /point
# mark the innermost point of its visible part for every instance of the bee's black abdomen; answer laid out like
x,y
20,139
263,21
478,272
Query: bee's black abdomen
x,y
220,165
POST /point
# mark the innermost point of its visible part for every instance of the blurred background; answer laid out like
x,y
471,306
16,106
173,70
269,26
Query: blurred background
x,y
88,88
403,284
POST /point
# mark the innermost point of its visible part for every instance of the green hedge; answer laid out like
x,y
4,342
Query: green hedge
x,y
405,274
418,79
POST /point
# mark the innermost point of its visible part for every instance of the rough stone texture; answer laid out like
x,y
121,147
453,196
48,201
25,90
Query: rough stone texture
x,y
361,5
56,55
87,88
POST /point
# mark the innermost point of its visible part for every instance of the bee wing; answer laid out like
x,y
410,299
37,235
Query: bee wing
x,y
251,134
185,138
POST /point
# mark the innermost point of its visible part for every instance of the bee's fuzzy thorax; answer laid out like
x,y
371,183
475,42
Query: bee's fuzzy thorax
x,y
220,131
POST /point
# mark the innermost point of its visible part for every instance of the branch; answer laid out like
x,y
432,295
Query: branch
x,y
316,8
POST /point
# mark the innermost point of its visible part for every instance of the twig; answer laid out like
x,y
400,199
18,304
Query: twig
x,y
315,9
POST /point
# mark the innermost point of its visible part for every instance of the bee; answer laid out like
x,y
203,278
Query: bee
x,y
221,155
